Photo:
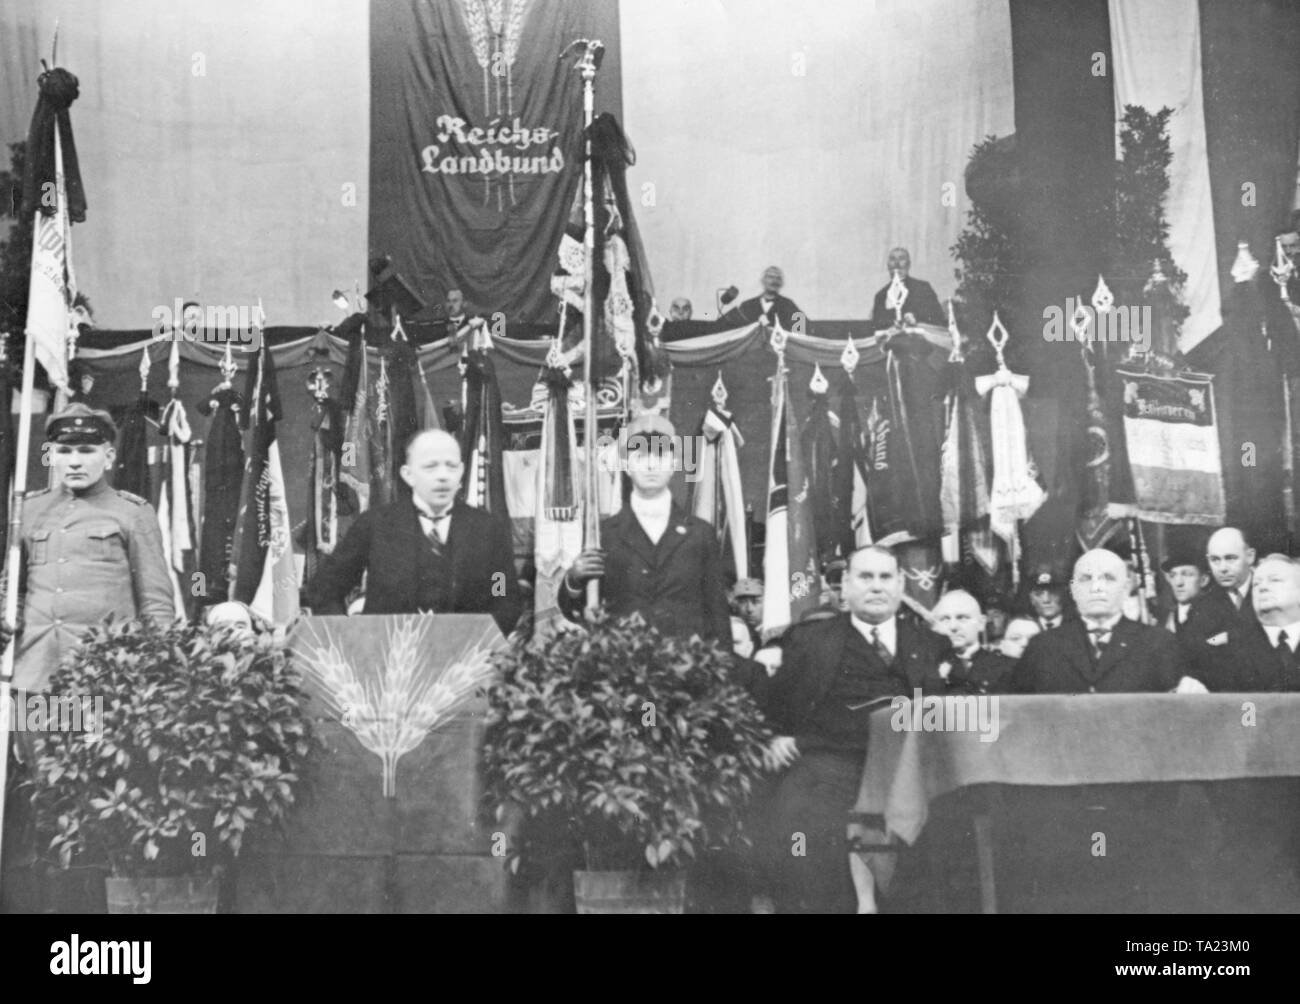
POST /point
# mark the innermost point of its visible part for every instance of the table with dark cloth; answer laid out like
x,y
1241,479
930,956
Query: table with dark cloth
x,y
1138,743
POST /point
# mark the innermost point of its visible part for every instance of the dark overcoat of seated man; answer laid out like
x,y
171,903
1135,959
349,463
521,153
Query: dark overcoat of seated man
x,y
426,552
833,674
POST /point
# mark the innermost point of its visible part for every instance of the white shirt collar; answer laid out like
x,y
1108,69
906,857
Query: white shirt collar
x,y
1292,634
1109,623
658,507
425,510
887,631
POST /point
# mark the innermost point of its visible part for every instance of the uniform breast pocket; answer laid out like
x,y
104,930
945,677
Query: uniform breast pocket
x,y
105,543
39,548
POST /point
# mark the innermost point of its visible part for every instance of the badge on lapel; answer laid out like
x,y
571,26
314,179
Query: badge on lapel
x,y
1219,639
681,529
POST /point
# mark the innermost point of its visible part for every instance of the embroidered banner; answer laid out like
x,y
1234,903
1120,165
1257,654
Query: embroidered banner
x,y
1173,447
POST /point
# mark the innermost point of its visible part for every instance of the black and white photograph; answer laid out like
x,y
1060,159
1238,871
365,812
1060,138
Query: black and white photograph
x,y
543,457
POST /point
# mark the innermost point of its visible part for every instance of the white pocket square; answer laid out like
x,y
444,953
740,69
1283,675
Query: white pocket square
x,y
1219,639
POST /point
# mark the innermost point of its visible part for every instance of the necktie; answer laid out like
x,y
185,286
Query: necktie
x,y
1099,636
880,647
1236,598
436,531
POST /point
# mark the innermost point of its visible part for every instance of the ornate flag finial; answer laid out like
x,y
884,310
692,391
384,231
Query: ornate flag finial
x,y
777,339
1080,322
997,336
719,392
896,296
818,383
174,365
850,356
1282,271
1102,298
145,364
1245,267
228,367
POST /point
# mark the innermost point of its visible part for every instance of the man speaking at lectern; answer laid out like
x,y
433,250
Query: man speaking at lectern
x,y
921,306
429,552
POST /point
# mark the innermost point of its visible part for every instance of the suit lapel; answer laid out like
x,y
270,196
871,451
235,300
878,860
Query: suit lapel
x,y
633,537
907,657
676,532
1078,649
832,655
1117,651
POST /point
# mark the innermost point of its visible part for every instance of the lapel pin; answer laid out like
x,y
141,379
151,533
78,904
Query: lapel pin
x,y
681,529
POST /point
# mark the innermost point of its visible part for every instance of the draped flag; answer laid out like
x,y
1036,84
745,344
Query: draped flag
x,y
56,198
791,582
403,404
425,405
557,527
965,471
482,436
1107,486
264,575
1016,493
382,471
716,495
7,441
322,528
355,469
849,487
903,471
175,504
223,472
131,472
819,453
1173,447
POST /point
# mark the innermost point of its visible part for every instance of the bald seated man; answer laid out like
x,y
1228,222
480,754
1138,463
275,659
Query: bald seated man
x,y
1104,652
1260,654
1227,603
428,552
971,668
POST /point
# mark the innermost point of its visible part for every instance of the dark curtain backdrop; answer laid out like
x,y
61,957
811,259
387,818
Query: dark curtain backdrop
x,y
1065,133
492,236
1250,58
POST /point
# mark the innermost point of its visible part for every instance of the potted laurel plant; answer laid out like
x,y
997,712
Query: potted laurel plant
x,y
200,742
636,748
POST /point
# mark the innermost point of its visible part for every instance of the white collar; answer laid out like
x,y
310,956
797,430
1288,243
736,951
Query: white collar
x,y
658,507
425,510
886,630
1108,624
1292,633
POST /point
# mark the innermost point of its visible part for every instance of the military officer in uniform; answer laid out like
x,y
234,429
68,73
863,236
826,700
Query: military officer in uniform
x,y
89,551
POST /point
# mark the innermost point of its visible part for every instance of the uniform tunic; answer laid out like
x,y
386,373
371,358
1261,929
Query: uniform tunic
x,y
85,557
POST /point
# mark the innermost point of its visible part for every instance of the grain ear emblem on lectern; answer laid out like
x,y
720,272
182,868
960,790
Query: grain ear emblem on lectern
x,y
391,704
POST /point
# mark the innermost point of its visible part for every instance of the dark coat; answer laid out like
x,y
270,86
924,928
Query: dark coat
x,y
811,660
1248,662
1213,613
989,673
475,574
676,585
1138,659
921,302
786,311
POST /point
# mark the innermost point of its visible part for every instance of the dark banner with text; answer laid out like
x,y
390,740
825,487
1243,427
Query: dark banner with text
x,y
476,142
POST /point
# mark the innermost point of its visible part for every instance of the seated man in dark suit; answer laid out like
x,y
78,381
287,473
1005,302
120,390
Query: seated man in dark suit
x,y
970,668
921,305
770,306
428,552
1260,655
833,674
1227,603
1104,652
654,558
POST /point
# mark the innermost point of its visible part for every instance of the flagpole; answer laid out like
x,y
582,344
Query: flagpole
x,y
587,65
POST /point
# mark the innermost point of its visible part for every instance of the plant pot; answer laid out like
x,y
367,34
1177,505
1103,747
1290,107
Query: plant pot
x,y
630,892
183,894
